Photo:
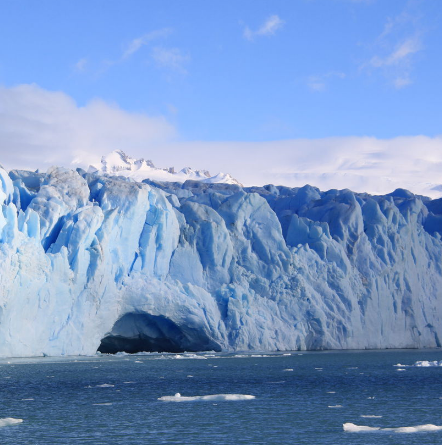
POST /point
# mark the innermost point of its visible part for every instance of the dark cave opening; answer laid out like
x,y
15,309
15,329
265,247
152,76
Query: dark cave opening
x,y
142,332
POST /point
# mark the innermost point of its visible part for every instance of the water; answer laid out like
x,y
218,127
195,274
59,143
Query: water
x,y
301,398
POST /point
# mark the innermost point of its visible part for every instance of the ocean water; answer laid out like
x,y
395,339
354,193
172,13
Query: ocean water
x,y
299,398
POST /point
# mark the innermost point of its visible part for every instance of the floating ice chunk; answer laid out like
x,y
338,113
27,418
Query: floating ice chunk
x,y
25,400
335,406
369,416
352,428
104,385
288,369
209,398
189,356
421,364
400,369
331,392
102,404
9,421
427,364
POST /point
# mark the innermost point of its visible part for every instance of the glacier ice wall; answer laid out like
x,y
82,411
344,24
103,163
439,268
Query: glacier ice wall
x,y
90,261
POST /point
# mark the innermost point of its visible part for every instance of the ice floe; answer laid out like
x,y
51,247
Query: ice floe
x,y
352,428
9,421
427,364
421,364
209,398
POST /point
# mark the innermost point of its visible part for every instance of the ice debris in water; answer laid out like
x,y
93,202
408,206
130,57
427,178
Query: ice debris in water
x,y
9,421
352,428
421,364
426,363
209,398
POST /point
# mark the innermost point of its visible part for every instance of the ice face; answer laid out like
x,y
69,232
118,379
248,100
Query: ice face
x,y
91,261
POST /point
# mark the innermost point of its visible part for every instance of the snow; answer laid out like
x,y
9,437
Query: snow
x,y
119,163
90,260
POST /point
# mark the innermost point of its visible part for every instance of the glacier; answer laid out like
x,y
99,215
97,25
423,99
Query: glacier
x,y
94,262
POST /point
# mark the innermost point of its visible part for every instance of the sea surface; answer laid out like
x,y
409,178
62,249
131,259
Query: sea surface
x,y
299,398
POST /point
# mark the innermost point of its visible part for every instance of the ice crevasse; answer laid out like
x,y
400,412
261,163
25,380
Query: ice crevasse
x,y
93,262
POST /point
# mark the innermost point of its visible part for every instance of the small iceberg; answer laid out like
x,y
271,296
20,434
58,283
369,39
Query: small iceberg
x,y
9,421
427,364
352,428
421,364
209,398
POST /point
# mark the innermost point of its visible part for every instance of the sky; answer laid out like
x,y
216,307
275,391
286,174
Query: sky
x,y
335,93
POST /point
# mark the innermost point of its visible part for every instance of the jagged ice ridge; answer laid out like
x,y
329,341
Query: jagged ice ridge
x,y
96,262
119,163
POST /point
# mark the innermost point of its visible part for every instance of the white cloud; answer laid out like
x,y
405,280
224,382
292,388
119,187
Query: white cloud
x,y
401,82
39,128
400,55
396,47
80,66
171,58
269,27
319,83
315,83
136,44
362,164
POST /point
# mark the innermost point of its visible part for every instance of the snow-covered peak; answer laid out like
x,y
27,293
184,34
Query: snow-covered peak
x,y
119,163
222,177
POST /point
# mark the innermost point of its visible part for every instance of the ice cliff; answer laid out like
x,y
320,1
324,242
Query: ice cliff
x,y
90,261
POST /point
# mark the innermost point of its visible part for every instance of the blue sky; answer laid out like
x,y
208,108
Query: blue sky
x,y
219,71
